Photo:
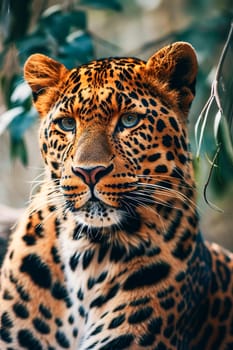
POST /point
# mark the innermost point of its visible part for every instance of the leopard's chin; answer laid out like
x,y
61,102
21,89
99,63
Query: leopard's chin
x,y
101,223
97,214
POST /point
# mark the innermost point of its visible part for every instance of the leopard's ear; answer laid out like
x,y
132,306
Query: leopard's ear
x,y
173,70
44,75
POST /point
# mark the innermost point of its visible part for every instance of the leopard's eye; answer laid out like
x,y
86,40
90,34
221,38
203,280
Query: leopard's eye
x,y
66,123
129,120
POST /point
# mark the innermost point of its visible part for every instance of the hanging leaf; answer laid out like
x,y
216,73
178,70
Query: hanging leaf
x,y
201,123
225,82
217,121
223,171
221,95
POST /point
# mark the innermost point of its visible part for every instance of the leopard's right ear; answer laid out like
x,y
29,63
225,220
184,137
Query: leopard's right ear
x,y
44,75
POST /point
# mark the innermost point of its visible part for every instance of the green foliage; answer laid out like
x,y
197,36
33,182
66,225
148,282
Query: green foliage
x,y
217,117
59,33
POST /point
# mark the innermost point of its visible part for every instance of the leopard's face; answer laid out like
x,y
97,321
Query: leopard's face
x,y
113,136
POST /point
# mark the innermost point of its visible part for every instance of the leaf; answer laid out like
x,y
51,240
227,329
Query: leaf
x,y
21,93
201,124
79,19
35,43
217,121
223,174
52,10
3,53
18,150
21,123
79,45
60,23
8,117
102,4
8,85
224,137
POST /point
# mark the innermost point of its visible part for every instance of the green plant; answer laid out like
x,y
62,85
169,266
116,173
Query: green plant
x,y
216,122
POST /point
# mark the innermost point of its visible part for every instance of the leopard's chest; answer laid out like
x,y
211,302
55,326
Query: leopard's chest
x,y
114,293
92,283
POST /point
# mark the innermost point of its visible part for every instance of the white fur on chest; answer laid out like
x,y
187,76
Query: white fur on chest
x,y
78,281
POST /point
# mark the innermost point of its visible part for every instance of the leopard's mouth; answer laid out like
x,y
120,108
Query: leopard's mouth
x,y
99,221
95,213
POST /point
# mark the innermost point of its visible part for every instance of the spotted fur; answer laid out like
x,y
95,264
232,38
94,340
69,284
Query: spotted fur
x,y
108,255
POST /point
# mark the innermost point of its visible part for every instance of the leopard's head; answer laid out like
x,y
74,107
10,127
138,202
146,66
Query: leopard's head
x,y
113,133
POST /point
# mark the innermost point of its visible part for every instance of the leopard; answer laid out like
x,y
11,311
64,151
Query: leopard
x,y
109,254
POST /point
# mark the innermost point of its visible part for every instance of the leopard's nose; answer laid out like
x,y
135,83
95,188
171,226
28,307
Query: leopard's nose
x,y
91,175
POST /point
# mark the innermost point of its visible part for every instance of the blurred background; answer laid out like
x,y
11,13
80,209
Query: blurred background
x,y
77,31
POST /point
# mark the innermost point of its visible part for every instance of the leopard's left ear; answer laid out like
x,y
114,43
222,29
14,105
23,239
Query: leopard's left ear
x,y
173,71
44,75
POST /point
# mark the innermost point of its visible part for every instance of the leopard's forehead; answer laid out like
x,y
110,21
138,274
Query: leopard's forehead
x,y
123,67
104,87
112,72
